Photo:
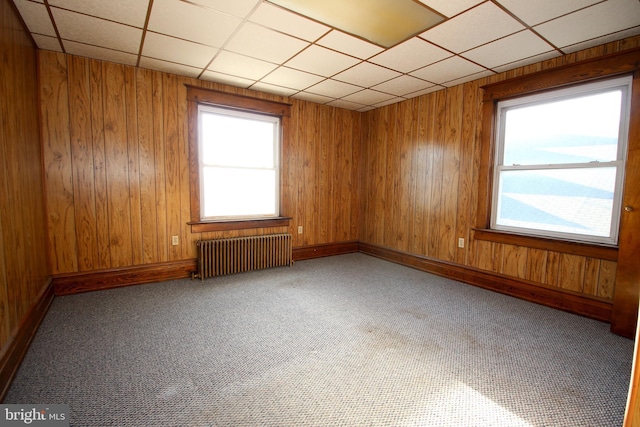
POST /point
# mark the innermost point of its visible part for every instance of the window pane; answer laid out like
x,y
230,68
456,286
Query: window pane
x,y
237,141
234,192
577,201
577,130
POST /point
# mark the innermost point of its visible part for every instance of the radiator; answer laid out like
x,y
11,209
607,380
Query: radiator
x,y
235,255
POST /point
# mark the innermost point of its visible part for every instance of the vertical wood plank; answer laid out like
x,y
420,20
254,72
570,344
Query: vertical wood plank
x,y
514,262
591,272
451,170
607,279
102,233
117,162
536,265
133,152
466,185
82,160
56,139
172,162
435,207
146,158
162,240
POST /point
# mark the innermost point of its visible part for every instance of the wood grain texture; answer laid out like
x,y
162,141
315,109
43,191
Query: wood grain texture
x,y
627,289
117,156
24,276
427,175
75,283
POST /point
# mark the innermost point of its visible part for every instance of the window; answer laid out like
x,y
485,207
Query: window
x,y
234,160
239,156
559,162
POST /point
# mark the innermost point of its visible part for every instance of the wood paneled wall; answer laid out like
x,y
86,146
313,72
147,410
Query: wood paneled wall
x,y
23,254
116,164
422,158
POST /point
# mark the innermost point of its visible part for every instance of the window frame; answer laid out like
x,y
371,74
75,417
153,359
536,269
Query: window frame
x,y
616,64
565,93
275,151
195,97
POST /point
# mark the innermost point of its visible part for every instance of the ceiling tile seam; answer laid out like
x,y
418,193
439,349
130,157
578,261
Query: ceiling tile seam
x,y
16,12
144,32
55,27
322,23
283,64
527,26
235,32
95,17
205,7
601,36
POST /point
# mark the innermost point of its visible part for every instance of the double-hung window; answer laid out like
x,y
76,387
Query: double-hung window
x,y
239,155
559,162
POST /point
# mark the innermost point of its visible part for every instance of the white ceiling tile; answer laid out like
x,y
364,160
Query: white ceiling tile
x,y
448,69
337,40
226,79
368,97
518,46
341,103
47,42
312,97
263,43
98,32
527,61
535,12
424,91
474,27
603,18
366,74
123,11
176,50
101,53
290,23
278,90
36,17
333,89
169,67
602,40
408,56
402,85
468,78
291,78
241,66
239,8
322,61
190,22
450,8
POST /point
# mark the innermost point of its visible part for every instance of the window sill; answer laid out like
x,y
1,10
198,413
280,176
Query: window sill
x,y
590,250
242,224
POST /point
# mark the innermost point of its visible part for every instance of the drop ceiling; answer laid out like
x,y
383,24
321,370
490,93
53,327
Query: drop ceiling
x,y
256,45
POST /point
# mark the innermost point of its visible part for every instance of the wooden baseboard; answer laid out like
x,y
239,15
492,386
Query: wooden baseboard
x,y
563,300
67,284
327,249
16,346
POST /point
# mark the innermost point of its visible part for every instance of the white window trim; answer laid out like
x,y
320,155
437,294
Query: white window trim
x,y
624,83
277,140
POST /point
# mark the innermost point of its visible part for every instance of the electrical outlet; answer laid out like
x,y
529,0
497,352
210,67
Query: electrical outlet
x,y
299,229
174,240
461,242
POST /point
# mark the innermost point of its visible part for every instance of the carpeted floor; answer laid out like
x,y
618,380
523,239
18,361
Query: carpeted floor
x,y
348,340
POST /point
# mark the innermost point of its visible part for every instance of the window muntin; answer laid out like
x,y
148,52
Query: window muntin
x,y
239,164
559,162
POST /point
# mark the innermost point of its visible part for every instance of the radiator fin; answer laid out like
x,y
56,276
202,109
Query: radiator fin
x,y
219,257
